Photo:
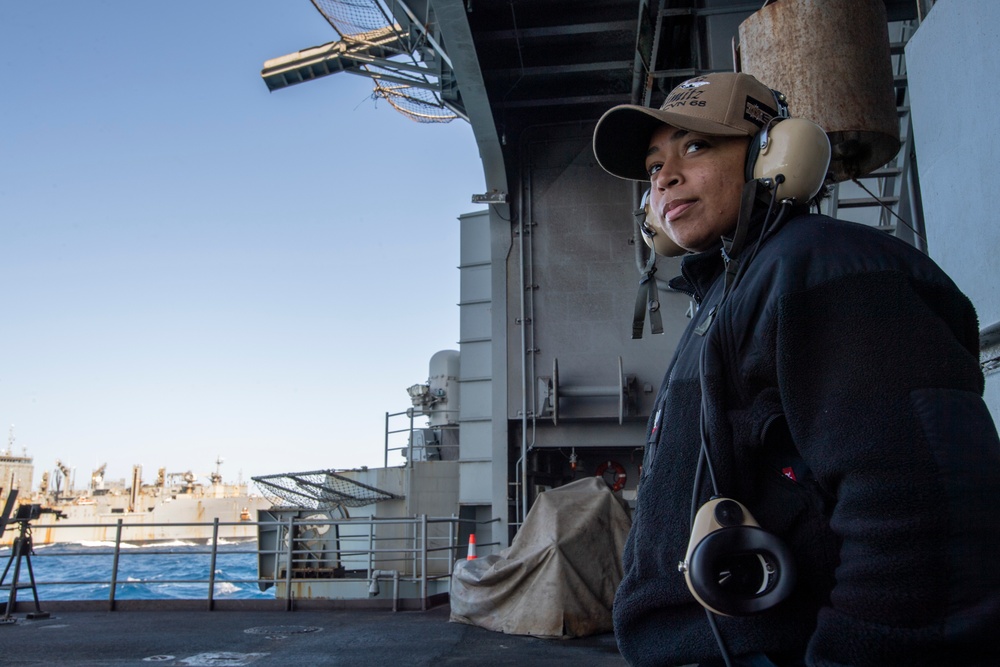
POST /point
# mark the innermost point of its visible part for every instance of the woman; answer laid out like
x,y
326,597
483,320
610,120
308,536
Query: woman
x,y
830,383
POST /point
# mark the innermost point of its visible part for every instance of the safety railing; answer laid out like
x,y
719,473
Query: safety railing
x,y
351,556
414,552
403,440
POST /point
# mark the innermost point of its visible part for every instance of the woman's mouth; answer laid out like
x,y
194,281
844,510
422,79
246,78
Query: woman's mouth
x,y
676,207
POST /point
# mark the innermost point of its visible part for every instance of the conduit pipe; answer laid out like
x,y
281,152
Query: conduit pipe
x,y
522,230
373,588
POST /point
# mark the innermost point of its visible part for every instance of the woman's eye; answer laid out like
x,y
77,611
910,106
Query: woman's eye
x,y
653,169
695,146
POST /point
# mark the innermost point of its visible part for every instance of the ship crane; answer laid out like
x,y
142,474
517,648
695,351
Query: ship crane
x,y
66,474
97,477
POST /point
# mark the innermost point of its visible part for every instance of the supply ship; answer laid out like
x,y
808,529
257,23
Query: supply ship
x,y
175,507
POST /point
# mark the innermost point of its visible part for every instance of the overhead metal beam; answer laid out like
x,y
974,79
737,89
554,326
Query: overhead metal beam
x,y
327,59
610,100
555,31
565,69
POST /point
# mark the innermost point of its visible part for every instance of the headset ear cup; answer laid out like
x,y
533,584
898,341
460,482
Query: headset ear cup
x,y
726,561
734,567
799,150
662,244
655,237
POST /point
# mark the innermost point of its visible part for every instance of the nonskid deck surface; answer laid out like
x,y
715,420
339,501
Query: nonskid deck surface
x,y
277,638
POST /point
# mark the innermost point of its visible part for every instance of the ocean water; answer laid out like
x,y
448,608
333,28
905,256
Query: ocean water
x,y
172,570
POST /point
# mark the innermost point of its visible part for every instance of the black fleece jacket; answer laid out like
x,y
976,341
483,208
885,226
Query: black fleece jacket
x,y
851,358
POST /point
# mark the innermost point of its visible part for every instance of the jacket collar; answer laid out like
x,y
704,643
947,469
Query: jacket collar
x,y
699,271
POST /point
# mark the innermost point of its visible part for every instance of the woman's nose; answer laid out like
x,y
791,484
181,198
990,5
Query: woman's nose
x,y
667,176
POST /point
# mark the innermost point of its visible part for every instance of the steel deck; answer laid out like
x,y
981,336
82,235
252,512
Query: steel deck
x,y
273,638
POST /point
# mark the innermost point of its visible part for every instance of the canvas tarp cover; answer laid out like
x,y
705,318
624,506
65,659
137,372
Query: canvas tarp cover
x,y
559,576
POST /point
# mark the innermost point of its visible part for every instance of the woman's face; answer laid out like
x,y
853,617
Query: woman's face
x,y
696,184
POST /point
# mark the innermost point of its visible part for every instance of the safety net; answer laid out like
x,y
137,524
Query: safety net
x,y
412,89
318,489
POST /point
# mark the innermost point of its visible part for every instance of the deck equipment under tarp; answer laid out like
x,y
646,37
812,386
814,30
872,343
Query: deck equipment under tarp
x,y
559,576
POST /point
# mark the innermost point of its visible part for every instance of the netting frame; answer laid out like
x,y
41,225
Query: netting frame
x,y
312,490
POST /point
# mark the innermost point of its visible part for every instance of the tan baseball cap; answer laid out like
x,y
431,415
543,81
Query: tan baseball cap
x,y
728,104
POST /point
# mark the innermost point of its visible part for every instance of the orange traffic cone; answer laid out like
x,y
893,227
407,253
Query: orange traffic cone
x,y
472,547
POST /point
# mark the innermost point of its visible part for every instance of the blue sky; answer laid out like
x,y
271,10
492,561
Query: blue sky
x,y
193,267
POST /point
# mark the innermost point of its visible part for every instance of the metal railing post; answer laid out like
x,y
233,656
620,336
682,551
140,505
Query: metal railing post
x,y
409,446
371,547
114,566
386,464
288,567
452,542
412,525
211,568
423,563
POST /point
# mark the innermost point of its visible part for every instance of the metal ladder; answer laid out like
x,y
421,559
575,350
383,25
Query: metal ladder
x,y
895,206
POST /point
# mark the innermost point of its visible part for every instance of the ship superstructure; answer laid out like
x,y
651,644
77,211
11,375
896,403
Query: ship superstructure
x,y
558,364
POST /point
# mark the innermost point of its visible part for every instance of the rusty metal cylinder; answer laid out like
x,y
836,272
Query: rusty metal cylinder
x,y
831,60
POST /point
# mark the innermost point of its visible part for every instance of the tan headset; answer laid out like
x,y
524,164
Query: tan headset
x,y
733,567
653,234
796,149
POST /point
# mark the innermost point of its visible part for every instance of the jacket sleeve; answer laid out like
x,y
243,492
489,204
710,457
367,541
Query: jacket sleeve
x,y
880,381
